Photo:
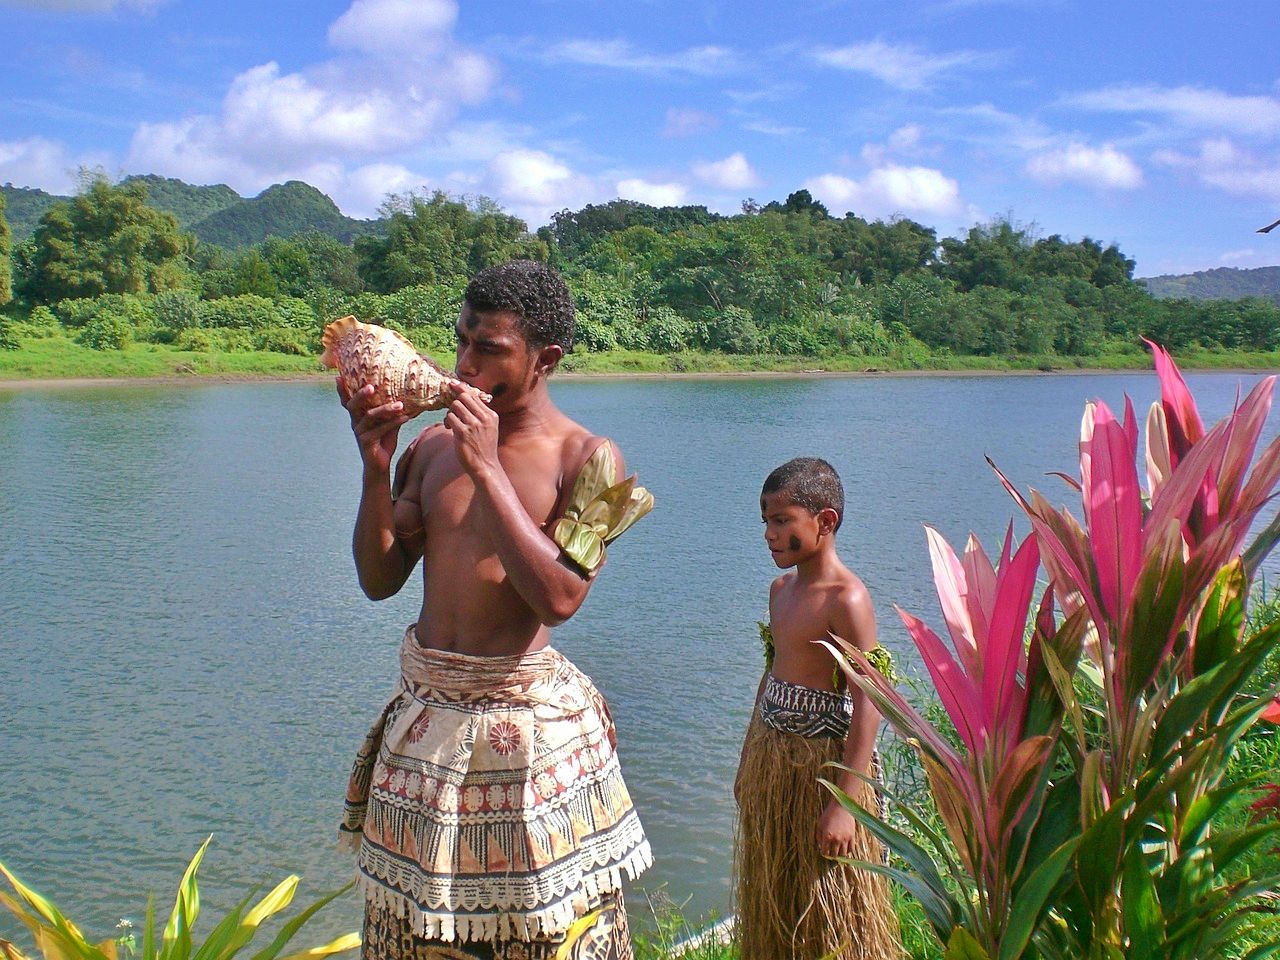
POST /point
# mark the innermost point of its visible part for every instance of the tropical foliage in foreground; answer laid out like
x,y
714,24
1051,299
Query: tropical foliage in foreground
x,y
58,938
1083,769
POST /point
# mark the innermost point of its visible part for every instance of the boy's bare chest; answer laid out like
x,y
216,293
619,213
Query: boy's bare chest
x,y
799,617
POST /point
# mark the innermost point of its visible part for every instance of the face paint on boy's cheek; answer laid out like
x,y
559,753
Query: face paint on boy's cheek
x,y
497,390
795,542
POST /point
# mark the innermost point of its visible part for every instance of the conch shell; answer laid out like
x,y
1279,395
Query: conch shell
x,y
365,353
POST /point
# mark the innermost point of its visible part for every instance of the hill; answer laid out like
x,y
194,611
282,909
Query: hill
x,y
282,210
189,203
216,213
1222,283
24,206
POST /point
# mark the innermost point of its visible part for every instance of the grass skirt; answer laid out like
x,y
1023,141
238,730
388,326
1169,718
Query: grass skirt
x,y
792,902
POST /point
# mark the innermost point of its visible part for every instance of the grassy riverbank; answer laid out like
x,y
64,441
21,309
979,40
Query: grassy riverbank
x,y
60,358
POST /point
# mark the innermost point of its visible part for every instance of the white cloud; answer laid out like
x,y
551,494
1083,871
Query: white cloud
x,y
533,185
394,26
1234,257
905,140
654,194
44,164
621,55
899,65
889,190
1223,165
1194,107
1010,130
687,122
402,82
771,128
731,173
363,190
1104,167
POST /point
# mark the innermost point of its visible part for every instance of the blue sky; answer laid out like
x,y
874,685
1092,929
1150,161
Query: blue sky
x,y
1153,125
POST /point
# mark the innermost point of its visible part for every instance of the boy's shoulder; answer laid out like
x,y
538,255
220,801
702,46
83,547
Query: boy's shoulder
x,y
851,610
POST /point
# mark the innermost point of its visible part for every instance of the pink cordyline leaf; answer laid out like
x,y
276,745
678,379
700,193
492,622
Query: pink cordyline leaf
x,y
952,586
1248,420
1183,419
1086,438
904,717
1014,788
957,692
1113,511
1064,550
1258,488
1177,497
981,578
1005,652
1159,465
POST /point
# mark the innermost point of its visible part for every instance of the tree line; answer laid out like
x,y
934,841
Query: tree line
x,y
784,278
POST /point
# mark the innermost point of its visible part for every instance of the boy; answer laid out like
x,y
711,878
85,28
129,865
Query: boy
x,y
794,903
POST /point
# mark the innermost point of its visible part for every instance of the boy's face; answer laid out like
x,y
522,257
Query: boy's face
x,y
791,532
494,356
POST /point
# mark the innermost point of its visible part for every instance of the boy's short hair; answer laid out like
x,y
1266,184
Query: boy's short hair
x,y
534,292
809,482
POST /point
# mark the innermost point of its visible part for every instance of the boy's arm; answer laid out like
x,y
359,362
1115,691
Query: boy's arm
x,y
854,622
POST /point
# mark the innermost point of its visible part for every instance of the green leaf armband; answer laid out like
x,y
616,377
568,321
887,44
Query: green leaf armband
x,y
599,510
880,658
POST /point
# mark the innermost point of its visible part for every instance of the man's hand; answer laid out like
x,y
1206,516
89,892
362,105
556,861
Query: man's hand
x,y
836,831
376,428
475,433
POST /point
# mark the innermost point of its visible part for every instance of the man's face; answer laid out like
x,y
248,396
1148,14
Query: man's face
x,y
493,355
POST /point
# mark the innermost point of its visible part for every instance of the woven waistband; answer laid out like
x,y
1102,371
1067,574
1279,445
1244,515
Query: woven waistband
x,y
805,711
448,673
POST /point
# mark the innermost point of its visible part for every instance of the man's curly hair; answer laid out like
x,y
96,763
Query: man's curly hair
x,y
534,292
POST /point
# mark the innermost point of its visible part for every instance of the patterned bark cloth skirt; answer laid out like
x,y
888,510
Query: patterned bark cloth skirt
x,y
489,810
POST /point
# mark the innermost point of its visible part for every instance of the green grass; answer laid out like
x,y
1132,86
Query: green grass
x,y
58,357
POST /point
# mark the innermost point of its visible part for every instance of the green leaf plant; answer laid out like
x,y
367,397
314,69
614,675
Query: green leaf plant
x,y
57,938
1083,790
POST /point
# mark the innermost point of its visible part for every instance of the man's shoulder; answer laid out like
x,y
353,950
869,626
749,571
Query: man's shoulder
x,y
578,445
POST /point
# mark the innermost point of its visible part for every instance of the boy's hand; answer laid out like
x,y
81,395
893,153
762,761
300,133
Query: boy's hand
x,y
836,831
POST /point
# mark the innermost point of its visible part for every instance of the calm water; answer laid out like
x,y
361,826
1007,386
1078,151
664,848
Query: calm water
x,y
185,650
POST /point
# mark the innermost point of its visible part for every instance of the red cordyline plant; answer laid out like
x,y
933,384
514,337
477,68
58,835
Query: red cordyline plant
x,y
1095,842
992,789
1163,579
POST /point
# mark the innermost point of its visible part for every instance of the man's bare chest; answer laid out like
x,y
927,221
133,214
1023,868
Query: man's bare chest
x,y
450,498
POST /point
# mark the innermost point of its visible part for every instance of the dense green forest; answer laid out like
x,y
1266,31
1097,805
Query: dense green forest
x,y
109,267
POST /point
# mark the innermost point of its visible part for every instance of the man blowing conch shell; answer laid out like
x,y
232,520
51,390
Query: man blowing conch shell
x,y
487,801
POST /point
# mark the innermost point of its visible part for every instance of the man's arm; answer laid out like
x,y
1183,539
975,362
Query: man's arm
x,y
854,622
552,587
382,562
